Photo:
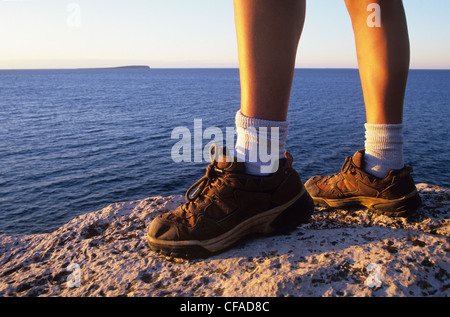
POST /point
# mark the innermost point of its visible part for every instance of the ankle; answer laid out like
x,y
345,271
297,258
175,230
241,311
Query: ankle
x,y
260,143
383,148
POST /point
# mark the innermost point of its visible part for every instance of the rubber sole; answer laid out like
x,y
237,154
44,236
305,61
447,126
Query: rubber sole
x,y
401,207
278,220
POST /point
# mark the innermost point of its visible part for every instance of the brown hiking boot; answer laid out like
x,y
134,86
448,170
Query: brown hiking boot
x,y
229,204
393,195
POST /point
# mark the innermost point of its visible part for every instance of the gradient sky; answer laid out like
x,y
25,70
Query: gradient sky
x,y
189,33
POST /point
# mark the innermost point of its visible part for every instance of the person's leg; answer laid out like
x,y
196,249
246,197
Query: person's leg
x,y
376,177
383,58
268,33
233,199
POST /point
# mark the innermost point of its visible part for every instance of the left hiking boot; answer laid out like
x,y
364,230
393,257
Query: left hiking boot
x,y
228,204
394,195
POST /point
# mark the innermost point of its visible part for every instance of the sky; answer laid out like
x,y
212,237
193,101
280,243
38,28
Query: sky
x,y
189,34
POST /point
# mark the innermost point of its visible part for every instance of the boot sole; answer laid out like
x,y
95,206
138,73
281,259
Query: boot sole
x,y
278,220
401,207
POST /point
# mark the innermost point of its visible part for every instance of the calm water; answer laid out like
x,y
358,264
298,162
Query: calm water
x,y
74,141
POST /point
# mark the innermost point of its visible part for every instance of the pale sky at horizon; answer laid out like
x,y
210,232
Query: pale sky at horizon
x,y
194,33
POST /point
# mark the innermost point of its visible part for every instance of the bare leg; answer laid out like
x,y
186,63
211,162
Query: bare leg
x,y
376,177
383,58
268,32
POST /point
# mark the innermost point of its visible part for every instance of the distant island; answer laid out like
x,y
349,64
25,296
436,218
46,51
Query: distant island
x,y
121,67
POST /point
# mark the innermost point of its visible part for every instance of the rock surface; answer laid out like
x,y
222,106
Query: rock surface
x,y
339,253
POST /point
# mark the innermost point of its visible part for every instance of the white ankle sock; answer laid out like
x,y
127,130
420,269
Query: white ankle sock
x,y
259,150
384,148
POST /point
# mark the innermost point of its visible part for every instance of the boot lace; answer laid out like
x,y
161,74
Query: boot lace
x,y
212,177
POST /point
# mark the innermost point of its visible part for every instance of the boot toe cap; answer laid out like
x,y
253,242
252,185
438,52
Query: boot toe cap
x,y
162,230
311,186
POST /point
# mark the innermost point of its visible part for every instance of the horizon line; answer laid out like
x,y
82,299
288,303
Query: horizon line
x,y
151,68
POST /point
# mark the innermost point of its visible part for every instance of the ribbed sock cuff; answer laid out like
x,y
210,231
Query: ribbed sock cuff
x,y
257,139
383,148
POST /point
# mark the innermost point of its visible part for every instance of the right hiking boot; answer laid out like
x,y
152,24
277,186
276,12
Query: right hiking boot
x,y
227,205
394,195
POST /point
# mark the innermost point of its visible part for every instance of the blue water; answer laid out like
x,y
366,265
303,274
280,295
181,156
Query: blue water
x,y
74,141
